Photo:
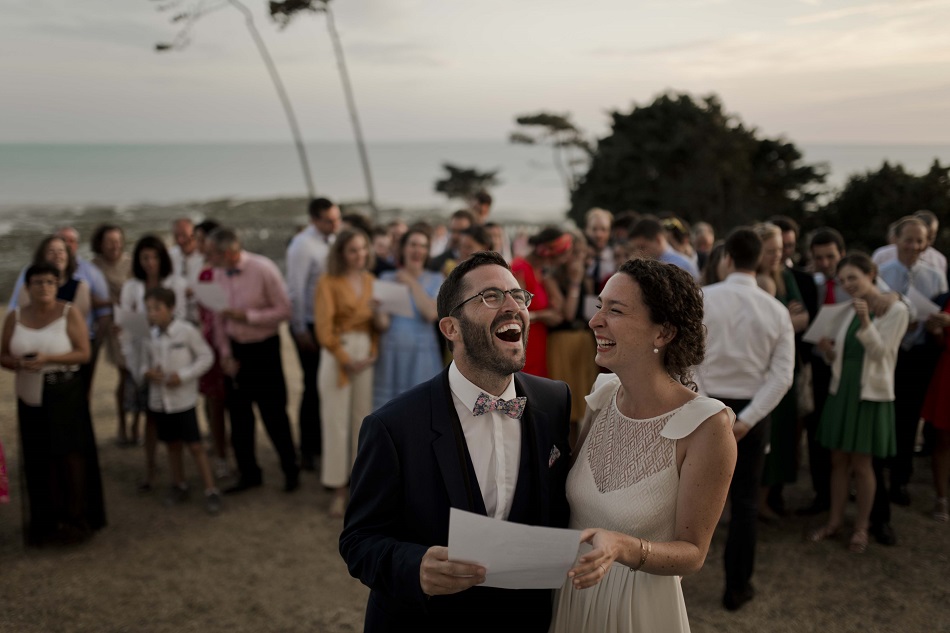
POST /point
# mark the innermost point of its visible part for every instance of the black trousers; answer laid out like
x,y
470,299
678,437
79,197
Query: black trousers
x,y
819,457
739,557
260,380
912,376
308,422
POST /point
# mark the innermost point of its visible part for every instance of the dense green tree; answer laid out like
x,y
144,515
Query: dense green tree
x,y
465,182
692,158
870,201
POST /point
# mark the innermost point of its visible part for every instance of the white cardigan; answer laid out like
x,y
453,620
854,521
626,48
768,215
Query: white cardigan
x,y
881,341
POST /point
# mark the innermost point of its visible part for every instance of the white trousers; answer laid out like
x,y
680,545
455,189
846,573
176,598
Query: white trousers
x,y
342,409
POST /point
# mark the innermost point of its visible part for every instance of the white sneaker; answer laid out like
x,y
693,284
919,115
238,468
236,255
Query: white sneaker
x,y
221,468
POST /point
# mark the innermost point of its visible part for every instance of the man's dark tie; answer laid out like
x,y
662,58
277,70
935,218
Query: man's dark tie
x,y
230,272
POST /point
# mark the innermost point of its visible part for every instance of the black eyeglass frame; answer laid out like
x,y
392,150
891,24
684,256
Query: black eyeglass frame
x,y
527,298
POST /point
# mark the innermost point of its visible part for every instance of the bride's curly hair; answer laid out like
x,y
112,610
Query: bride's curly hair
x,y
674,300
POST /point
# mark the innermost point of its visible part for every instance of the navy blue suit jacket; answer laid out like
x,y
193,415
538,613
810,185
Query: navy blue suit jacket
x,y
412,466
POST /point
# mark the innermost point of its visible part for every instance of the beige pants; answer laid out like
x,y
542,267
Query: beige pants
x,y
342,409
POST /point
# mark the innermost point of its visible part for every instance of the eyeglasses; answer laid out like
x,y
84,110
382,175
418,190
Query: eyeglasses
x,y
493,298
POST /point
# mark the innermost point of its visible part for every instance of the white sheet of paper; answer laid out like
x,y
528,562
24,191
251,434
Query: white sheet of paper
x,y
924,306
590,306
393,298
211,296
133,324
827,322
515,556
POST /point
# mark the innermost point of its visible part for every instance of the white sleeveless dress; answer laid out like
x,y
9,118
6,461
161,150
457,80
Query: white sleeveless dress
x,y
625,479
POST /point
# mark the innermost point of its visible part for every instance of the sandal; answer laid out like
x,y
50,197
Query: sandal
x,y
941,513
823,533
859,542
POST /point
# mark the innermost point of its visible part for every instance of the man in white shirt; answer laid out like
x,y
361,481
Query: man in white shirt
x,y
916,359
187,261
480,436
597,226
306,261
750,362
931,256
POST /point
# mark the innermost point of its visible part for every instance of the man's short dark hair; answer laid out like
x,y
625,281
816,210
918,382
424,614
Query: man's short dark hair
x,y
318,206
208,226
648,227
480,234
464,214
454,288
358,221
99,235
744,248
483,197
785,224
825,236
163,295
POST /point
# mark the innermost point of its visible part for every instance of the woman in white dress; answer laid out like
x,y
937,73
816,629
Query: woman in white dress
x,y
653,463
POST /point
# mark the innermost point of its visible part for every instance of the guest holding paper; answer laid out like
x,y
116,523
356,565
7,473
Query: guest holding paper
x,y
654,461
408,348
857,422
482,437
151,268
348,337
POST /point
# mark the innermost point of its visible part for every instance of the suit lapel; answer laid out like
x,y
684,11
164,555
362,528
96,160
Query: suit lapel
x,y
526,506
450,450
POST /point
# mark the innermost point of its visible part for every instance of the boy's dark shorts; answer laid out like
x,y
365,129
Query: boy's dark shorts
x,y
177,427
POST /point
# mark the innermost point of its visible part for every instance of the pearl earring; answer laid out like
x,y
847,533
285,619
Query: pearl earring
x,y
656,350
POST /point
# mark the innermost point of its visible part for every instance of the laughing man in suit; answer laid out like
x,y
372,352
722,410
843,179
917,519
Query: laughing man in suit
x,y
480,436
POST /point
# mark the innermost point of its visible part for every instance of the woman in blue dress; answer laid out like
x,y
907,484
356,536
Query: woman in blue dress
x,y
409,350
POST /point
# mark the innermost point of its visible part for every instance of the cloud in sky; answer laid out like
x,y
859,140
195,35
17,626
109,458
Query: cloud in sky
x,y
430,69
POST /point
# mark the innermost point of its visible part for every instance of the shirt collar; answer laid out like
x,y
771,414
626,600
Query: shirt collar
x,y
468,392
744,279
170,331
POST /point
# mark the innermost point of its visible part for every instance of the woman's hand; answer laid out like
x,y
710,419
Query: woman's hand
x,y
861,309
591,568
32,362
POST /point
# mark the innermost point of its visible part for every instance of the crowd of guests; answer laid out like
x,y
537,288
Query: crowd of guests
x,y
198,322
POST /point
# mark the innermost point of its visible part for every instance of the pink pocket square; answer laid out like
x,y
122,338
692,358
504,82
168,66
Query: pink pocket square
x,y
553,457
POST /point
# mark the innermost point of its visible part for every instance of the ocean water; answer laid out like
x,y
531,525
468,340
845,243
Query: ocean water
x,y
259,187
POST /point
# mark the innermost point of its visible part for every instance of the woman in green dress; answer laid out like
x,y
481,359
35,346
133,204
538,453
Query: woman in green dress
x,y
857,423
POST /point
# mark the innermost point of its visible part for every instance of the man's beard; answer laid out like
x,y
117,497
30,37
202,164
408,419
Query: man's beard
x,y
481,350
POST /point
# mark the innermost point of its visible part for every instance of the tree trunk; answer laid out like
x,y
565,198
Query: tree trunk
x,y
281,92
351,106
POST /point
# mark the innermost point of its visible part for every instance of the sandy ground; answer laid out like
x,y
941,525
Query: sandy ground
x,y
269,562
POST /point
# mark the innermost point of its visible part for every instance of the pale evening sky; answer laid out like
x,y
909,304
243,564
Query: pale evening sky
x,y
833,71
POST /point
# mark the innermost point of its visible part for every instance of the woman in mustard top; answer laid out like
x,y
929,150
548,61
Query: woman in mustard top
x,y
344,317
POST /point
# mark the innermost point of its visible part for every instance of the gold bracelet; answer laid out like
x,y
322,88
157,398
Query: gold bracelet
x,y
644,553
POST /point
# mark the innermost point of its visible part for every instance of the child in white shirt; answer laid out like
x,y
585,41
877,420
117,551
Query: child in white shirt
x,y
172,359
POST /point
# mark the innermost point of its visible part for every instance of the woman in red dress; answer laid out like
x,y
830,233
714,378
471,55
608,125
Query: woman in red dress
x,y
533,272
937,409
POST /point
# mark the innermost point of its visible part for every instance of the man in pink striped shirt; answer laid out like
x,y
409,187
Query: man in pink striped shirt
x,y
246,335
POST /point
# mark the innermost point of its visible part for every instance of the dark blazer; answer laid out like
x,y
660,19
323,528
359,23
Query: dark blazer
x,y
411,467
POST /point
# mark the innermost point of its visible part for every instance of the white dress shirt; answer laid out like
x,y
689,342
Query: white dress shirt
x,y
306,261
750,346
179,349
188,268
494,443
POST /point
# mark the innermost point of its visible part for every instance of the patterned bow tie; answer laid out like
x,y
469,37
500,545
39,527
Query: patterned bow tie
x,y
512,408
